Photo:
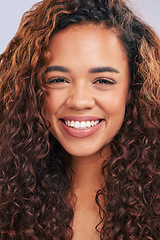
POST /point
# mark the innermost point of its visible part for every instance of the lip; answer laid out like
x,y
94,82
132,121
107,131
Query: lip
x,y
81,133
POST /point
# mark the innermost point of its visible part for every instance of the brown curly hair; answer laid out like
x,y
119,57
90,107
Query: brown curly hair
x,y
35,178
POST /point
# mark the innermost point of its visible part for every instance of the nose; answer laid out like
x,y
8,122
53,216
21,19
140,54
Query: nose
x,y
80,98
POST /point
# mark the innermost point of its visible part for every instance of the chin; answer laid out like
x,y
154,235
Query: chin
x,y
81,152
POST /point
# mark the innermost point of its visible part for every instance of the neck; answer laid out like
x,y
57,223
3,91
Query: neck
x,y
87,171
88,180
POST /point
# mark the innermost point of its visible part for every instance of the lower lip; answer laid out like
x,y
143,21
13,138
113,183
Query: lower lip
x,y
81,133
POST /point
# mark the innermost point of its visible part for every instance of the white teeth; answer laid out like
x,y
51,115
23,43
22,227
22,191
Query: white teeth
x,y
69,124
81,125
77,124
96,122
92,123
88,124
72,123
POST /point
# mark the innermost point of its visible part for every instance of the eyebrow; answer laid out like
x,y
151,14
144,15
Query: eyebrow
x,y
92,70
57,68
103,69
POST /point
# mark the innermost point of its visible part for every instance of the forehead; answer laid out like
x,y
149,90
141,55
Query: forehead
x,y
87,33
89,44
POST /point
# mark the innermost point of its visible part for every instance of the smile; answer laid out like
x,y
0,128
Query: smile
x,y
81,125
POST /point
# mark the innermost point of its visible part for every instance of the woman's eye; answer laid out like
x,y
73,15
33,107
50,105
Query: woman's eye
x,y
56,80
104,81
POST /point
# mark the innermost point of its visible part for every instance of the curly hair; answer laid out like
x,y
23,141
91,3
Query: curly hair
x,y
35,176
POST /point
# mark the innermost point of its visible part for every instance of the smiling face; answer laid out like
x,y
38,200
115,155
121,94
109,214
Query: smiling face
x,y
87,83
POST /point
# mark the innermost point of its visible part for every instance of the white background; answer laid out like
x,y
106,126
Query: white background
x,y
11,12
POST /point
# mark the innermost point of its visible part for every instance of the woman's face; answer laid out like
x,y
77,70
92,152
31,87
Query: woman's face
x,y
87,83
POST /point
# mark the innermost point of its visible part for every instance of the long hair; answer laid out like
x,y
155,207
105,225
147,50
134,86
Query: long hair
x,y
35,177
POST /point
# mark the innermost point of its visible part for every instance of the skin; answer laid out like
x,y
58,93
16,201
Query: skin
x,y
86,88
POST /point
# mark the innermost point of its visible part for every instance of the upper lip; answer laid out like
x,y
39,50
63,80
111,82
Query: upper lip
x,y
80,118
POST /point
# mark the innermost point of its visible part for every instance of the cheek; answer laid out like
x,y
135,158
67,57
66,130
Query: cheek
x,y
52,104
115,104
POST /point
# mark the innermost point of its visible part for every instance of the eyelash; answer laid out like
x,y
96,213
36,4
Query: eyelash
x,y
62,80
104,81
56,80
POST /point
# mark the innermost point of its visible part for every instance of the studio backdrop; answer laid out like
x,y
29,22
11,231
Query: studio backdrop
x,y
11,12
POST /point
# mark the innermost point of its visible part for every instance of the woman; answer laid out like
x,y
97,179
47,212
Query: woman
x,y
79,124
